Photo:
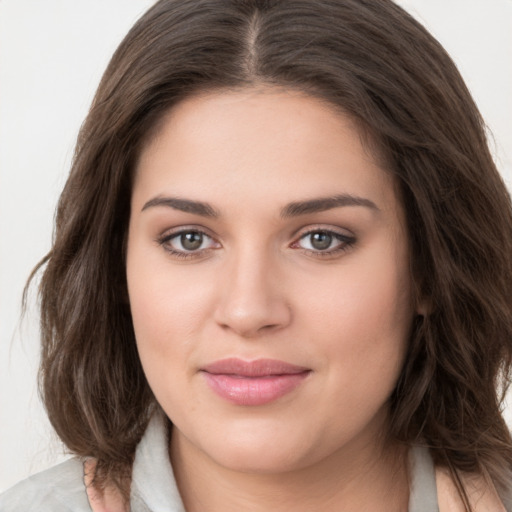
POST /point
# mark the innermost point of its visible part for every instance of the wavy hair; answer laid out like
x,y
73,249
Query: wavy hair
x,y
370,59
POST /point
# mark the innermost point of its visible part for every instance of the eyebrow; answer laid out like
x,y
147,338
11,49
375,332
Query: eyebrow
x,y
293,209
183,205
322,204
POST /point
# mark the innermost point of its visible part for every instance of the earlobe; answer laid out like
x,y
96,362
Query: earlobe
x,y
420,295
423,301
423,308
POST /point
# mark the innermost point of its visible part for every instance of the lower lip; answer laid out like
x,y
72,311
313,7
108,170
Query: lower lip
x,y
242,390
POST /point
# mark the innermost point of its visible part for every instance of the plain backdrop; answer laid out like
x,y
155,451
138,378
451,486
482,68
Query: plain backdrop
x,y
52,55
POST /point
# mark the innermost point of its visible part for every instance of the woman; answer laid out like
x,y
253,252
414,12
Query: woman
x,y
281,275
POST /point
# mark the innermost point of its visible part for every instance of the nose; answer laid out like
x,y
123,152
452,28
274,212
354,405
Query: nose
x,y
252,298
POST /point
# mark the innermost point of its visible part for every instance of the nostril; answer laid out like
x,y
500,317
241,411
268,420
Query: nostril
x,y
249,303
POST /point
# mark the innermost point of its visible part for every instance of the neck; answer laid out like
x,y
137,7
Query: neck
x,y
373,479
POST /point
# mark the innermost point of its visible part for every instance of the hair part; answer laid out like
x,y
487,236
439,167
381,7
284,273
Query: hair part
x,y
370,60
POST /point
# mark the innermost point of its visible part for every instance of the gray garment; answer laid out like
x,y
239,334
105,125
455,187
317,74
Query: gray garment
x,y
423,496
58,489
154,488
61,488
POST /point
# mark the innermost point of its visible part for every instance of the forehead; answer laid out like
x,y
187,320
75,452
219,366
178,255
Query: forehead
x,y
278,144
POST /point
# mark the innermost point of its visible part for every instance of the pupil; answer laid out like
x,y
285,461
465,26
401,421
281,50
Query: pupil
x,y
191,241
321,241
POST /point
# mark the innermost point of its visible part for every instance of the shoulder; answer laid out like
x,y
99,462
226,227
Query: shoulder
x,y
58,489
481,494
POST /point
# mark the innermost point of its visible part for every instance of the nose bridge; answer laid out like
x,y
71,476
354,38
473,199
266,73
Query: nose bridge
x,y
252,299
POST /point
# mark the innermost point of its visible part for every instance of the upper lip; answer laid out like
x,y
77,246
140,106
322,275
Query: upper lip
x,y
256,368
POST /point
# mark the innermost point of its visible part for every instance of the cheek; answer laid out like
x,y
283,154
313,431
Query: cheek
x,y
171,306
362,316
363,333
164,330
167,301
166,312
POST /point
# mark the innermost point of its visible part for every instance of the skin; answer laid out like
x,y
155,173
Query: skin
x,y
258,287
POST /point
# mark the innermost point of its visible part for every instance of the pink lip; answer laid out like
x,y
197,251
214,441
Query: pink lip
x,y
253,382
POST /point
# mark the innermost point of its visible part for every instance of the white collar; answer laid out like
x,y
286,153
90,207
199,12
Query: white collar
x,y
153,485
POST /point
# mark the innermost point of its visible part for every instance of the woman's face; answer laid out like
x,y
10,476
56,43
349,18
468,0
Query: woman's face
x,y
269,281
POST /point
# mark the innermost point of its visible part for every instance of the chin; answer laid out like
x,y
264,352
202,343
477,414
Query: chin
x,y
260,461
262,450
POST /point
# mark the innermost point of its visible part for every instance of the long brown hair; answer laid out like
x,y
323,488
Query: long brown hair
x,y
370,59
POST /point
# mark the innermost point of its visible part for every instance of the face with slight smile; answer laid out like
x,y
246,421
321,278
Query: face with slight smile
x,y
268,277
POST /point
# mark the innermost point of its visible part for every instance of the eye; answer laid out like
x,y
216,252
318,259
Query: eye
x,y
324,242
187,243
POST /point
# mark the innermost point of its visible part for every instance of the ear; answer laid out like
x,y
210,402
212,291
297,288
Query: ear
x,y
422,298
423,307
420,293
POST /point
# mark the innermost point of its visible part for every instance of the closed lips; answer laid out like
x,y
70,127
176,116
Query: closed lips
x,y
253,383
256,368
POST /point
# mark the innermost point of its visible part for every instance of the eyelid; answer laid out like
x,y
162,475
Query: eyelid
x,y
346,240
169,234
186,228
327,228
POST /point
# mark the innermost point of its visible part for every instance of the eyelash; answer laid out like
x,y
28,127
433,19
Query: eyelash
x,y
346,242
165,241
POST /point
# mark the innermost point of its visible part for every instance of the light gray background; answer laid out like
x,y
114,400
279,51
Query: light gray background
x,y
52,54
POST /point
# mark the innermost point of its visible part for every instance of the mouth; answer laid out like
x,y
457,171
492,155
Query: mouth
x,y
253,383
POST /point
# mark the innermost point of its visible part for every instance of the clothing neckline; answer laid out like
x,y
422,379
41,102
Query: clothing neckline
x,y
423,488
154,484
